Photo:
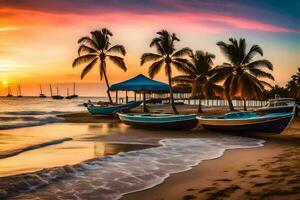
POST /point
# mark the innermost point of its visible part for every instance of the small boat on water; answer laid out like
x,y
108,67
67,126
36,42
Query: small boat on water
x,y
110,109
248,122
159,121
9,93
57,96
279,105
74,95
42,95
19,92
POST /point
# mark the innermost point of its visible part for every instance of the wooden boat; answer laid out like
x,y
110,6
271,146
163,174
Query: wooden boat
x,y
57,96
248,122
19,92
9,93
279,105
159,121
111,109
74,95
42,95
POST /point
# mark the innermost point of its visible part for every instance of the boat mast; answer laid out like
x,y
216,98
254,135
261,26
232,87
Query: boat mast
x,y
57,90
20,92
67,92
74,88
51,90
41,89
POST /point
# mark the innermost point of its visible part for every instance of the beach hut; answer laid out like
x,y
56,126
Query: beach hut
x,y
140,83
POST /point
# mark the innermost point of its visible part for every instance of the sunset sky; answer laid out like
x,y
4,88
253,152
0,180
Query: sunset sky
x,y
38,39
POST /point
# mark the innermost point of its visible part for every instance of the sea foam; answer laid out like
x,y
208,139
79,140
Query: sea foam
x,y
113,176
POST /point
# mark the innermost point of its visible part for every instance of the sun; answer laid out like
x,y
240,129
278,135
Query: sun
x,y
5,82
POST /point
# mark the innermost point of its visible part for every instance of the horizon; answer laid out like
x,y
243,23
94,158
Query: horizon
x,y
39,39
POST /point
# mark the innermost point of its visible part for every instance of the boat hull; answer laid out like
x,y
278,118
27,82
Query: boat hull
x,y
171,123
110,110
273,125
265,110
180,125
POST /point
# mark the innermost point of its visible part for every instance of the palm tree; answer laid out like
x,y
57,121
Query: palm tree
x,y
166,56
293,86
94,50
241,75
197,73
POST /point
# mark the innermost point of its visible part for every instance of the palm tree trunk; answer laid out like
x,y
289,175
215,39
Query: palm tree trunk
x,y
245,105
171,95
229,102
200,106
107,84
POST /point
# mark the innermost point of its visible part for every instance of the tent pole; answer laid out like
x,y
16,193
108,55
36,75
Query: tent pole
x,y
144,101
116,96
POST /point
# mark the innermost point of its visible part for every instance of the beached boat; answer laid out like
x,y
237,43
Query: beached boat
x,y
160,121
248,122
111,109
279,105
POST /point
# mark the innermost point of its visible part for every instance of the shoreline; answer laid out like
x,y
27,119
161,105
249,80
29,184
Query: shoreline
x,y
215,185
237,174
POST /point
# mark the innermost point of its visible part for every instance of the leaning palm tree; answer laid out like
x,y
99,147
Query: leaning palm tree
x,y
197,73
94,50
242,75
166,56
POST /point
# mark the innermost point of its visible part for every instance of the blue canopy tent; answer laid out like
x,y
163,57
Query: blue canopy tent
x,y
141,83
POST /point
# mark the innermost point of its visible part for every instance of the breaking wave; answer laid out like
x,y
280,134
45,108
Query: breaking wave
x,y
113,176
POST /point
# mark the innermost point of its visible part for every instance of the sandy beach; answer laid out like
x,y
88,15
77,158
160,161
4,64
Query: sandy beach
x,y
267,172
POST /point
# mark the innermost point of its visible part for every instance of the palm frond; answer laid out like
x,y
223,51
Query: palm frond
x,y
118,61
88,41
255,49
86,49
183,79
260,74
83,59
149,57
88,68
183,52
117,49
155,68
260,63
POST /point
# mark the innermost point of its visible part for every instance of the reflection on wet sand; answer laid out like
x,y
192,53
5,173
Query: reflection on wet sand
x,y
67,153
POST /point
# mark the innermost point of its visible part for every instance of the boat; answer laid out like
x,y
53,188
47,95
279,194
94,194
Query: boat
x,y
279,105
19,93
74,95
110,109
42,95
57,96
246,121
9,94
159,121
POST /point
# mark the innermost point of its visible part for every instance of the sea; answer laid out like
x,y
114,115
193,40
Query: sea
x,y
92,160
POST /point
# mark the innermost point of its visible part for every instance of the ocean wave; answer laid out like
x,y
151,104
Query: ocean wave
x,y
113,176
20,122
33,147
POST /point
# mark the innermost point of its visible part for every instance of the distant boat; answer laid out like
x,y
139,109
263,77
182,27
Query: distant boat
x,y
111,109
42,95
279,105
159,121
74,95
242,122
19,94
57,96
9,94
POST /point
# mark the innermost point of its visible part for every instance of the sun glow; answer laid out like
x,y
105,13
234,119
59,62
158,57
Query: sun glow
x,y
4,82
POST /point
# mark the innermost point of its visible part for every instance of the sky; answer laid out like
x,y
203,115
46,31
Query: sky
x,y
38,39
